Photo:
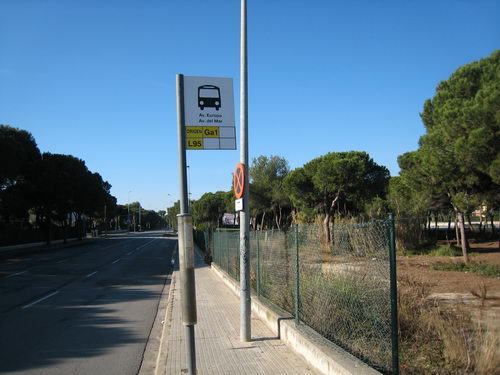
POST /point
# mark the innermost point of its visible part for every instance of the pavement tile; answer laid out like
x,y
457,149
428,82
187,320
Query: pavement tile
x,y
218,348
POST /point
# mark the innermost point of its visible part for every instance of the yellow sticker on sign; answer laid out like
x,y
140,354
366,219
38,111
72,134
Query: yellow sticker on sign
x,y
194,143
194,131
211,131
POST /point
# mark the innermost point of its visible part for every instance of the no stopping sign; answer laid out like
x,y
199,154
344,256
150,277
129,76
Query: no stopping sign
x,y
239,180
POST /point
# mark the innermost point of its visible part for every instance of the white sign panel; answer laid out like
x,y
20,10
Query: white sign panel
x,y
238,205
209,113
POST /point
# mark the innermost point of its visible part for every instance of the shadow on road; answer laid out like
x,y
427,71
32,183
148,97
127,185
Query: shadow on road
x,y
94,318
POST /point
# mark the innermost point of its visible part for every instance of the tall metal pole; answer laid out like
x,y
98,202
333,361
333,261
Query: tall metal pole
x,y
297,277
188,185
245,306
394,296
186,246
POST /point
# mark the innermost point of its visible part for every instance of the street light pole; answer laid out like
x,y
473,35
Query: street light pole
x,y
245,302
128,211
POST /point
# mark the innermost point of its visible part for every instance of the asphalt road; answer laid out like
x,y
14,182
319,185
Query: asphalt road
x,y
86,309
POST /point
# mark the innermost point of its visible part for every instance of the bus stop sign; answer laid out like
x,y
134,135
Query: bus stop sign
x,y
209,113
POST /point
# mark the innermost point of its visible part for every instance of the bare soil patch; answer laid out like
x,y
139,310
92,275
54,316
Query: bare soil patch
x,y
418,266
481,294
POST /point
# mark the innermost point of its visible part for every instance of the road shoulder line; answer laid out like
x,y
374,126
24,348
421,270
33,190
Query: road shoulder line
x,y
40,300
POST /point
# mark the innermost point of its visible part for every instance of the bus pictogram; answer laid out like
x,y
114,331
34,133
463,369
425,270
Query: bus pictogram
x,y
209,96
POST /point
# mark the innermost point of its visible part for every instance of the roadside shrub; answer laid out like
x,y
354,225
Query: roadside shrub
x,y
479,268
449,251
411,234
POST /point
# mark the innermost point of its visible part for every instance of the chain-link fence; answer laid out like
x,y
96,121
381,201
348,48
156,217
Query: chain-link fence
x,y
226,251
340,287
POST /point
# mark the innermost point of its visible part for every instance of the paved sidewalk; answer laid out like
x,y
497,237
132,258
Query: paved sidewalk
x,y
218,348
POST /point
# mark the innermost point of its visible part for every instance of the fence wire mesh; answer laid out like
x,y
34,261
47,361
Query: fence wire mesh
x,y
338,287
226,251
345,288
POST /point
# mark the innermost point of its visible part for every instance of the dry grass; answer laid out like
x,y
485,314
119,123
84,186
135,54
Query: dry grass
x,y
410,234
487,358
481,293
442,341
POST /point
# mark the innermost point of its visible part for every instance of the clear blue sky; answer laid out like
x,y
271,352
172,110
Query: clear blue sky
x,y
96,79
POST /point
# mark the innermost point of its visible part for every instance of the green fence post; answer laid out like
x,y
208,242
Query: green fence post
x,y
394,296
257,276
297,274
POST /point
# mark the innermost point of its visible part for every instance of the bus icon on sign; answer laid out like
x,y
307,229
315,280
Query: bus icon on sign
x,y
209,96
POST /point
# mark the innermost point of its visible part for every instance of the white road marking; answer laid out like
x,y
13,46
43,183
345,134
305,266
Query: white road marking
x,y
40,300
130,252
91,274
116,244
140,247
61,261
116,261
15,274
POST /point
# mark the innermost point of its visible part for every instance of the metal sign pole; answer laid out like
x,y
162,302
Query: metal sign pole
x,y
185,235
245,333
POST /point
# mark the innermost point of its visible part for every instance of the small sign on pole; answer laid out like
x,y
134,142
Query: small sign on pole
x,y
238,205
239,180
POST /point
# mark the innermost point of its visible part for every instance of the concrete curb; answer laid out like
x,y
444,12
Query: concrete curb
x,y
164,312
161,359
154,348
320,353
55,242
34,244
26,250
154,352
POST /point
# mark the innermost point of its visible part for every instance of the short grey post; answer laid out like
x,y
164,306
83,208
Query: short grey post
x,y
245,303
394,296
257,276
105,222
297,277
186,245
139,216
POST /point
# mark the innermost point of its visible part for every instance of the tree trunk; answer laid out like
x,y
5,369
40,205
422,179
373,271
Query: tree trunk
x,y
326,228
262,220
449,227
436,229
481,227
277,218
49,231
465,244
470,224
65,230
457,231
79,226
330,213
